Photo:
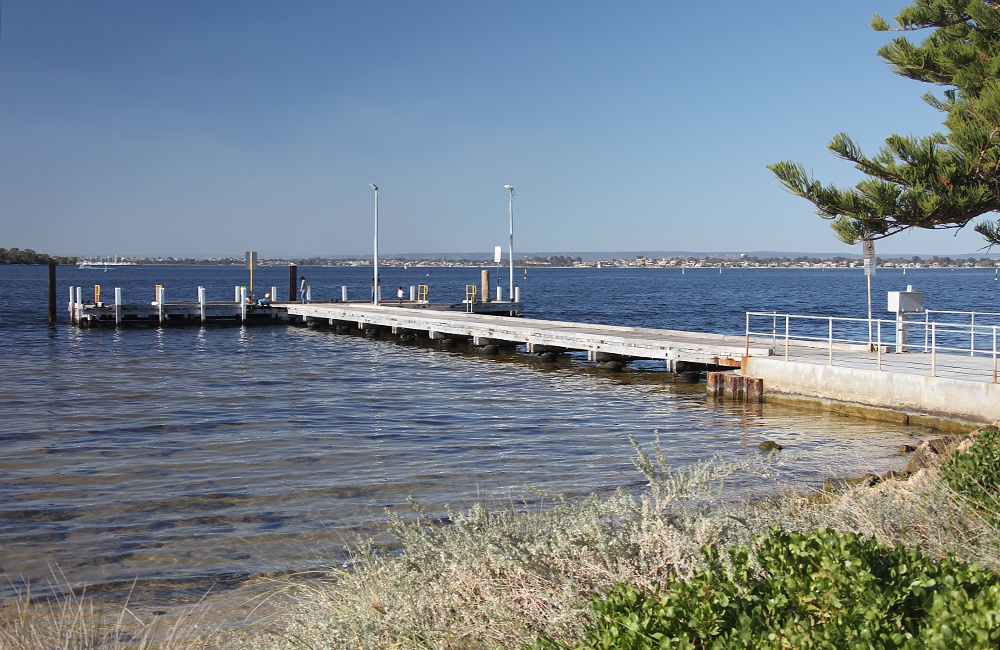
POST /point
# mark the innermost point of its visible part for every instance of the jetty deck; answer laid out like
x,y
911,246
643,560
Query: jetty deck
x,y
600,342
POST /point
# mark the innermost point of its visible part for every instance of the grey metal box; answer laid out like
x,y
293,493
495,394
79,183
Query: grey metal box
x,y
906,302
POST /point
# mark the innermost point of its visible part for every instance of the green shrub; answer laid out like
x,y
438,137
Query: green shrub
x,y
823,589
976,473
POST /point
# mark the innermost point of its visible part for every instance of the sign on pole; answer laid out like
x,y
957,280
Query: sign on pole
x,y
868,246
497,254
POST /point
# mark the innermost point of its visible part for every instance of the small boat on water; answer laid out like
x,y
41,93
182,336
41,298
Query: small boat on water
x,y
104,263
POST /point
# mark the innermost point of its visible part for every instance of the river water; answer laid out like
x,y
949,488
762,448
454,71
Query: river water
x,y
184,458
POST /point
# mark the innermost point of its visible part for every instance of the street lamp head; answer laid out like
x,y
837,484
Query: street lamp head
x,y
374,186
508,187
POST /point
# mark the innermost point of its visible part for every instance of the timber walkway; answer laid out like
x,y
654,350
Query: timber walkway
x,y
680,350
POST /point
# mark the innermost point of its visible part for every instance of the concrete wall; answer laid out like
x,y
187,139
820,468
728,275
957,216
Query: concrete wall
x,y
947,398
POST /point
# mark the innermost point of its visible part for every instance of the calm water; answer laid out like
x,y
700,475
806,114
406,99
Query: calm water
x,y
189,457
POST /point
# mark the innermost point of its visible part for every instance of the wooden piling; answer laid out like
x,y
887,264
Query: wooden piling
x,y
293,284
52,292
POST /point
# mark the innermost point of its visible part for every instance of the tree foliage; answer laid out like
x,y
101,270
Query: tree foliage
x,y
28,256
940,181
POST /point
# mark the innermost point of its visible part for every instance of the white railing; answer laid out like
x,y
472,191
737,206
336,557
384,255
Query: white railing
x,y
933,347
970,316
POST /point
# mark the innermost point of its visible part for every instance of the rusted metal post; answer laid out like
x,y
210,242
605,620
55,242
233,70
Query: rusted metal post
x,y
716,382
735,385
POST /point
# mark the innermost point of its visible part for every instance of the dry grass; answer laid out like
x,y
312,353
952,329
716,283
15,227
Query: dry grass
x,y
498,576
66,619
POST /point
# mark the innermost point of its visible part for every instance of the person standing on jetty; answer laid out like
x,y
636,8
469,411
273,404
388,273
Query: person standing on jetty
x,y
399,294
303,287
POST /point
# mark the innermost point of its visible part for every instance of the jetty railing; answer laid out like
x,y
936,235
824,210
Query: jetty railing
x,y
965,350
961,317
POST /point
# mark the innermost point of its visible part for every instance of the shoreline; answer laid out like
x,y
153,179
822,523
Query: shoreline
x,y
258,602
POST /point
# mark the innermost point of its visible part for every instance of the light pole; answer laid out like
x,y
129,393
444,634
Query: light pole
x,y
375,287
511,210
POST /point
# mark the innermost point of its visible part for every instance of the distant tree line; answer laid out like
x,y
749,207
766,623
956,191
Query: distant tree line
x,y
28,256
553,260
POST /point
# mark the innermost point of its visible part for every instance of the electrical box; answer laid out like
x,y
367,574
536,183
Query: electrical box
x,y
906,302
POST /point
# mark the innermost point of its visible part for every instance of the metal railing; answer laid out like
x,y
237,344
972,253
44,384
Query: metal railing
x,y
967,350
990,318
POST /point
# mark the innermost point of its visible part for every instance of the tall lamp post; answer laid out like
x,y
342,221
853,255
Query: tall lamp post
x,y
510,188
375,287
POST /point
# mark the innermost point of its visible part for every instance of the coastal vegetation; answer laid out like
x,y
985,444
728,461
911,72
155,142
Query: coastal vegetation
x,y
912,560
944,180
28,256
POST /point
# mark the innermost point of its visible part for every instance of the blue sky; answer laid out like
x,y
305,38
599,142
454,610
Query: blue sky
x,y
210,128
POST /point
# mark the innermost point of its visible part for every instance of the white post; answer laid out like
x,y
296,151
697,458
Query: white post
x,y
236,294
118,305
72,305
413,293
201,303
901,319
831,342
927,329
746,331
869,278
879,324
517,294
243,303
376,289
159,302
274,293
499,293
510,208
343,293
972,342
933,349
79,303
994,354
788,333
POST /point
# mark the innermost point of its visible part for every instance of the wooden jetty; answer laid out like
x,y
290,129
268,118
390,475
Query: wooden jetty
x,y
483,323
680,350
